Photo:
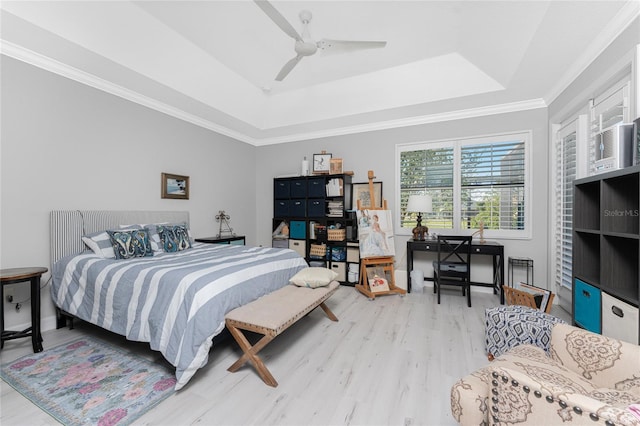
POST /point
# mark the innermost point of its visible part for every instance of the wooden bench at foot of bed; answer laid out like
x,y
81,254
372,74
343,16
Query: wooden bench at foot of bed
x,y
270,315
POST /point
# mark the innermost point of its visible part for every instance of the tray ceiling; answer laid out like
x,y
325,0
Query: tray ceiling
x,y
214,62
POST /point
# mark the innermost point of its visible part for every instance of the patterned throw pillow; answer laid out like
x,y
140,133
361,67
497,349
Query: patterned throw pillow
x,y
154,238
174,238
131,243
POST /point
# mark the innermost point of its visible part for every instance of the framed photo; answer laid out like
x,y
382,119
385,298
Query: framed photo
x,y
175,186
377,279
360,191
321,163
335,166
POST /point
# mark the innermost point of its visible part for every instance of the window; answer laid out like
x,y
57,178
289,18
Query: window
x,y
574,156
471,181
608,109
565,173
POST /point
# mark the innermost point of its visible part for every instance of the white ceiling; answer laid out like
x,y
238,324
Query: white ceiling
x,y
213,63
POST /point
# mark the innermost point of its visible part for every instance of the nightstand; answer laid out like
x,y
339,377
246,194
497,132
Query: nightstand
x,y
236,239
21,275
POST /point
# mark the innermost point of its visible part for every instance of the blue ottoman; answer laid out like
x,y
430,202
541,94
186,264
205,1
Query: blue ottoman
x,y
510,326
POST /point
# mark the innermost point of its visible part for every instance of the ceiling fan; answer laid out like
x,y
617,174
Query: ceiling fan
x,y
305,45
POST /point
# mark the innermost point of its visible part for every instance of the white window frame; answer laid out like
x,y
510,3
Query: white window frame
x,y
457,144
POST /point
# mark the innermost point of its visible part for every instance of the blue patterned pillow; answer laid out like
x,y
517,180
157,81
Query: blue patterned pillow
x,y
131,243
174,238
154,238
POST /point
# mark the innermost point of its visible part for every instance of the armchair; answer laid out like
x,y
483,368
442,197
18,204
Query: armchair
x,y
585,378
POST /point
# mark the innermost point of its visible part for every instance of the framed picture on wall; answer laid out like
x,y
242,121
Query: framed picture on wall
x,y
175,186
360,191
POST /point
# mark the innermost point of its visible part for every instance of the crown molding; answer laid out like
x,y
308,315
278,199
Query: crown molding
x,y
629,12
411,121
38,60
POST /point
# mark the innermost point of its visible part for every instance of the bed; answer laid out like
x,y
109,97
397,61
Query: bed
x,y
174,301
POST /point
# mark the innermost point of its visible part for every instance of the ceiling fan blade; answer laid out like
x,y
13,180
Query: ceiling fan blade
x,y
278,19
288,67
349,45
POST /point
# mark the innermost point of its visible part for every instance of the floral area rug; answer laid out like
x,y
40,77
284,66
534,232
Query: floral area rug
x,y
90,382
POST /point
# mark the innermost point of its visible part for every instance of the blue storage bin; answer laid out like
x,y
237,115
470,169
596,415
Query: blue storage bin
x,y
315,208
316,188
281,189
587,300
298,188
297,208
298,229
281,208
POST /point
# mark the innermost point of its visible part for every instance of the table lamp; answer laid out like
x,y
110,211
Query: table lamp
x,y
420,204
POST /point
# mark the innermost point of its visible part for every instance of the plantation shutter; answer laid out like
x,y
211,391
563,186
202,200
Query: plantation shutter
x,y
566,166
492,185
428,171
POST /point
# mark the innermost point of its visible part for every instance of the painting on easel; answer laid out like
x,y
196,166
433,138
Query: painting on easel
x,y
375,233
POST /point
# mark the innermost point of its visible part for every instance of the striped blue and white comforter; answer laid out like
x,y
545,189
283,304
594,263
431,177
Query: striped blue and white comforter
x,y
174,301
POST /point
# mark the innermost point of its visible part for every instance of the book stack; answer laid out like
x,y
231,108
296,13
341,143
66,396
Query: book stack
x,y
335,187
334,208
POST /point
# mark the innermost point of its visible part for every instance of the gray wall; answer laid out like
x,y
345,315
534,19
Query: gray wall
x,y
376,151
69,146
609,66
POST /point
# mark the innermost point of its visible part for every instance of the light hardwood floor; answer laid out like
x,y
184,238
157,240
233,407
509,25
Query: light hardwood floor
x,y
390,361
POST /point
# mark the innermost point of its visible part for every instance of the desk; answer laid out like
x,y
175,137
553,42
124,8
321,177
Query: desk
x,y
489,248
20,275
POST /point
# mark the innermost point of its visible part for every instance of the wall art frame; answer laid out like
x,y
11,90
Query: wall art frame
x,y
321,163
174,186
360,191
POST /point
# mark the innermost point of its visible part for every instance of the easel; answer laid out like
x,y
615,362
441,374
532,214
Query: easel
x,y
385,262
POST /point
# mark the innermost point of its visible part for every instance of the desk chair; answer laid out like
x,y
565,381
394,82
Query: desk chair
x,y
453,266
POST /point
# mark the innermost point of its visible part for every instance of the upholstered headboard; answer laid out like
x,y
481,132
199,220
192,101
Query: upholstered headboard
x,y
68,226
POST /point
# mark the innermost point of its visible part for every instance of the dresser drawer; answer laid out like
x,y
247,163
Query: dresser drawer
x,y
619,319
341,269
281,189
587,301
315,208
280,243
297,208
298,245
281,208
298,229
298,188
316,188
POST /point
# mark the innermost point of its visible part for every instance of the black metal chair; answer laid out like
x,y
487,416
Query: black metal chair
x,y
453,266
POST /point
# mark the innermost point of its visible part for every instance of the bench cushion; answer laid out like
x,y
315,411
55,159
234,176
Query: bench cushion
x,y
275,312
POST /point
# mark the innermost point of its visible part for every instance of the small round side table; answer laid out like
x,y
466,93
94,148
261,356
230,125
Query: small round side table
x,y
20,275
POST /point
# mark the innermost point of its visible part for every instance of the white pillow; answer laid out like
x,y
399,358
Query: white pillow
x,y
313,277
100,244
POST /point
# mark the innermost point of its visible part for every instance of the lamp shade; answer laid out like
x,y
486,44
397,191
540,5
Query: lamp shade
x,y
420,204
